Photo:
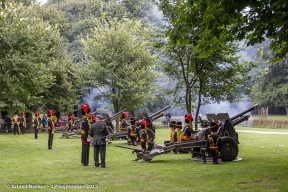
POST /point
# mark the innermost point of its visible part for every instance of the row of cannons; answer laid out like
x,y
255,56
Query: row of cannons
x,y
229,136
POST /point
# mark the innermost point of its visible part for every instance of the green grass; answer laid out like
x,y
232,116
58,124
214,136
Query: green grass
x,y
25,160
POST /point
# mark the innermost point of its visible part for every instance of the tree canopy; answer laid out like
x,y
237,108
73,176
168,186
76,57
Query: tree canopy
x,y
30,51
251,20
120,63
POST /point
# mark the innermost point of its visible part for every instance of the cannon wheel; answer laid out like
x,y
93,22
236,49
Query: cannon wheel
x,y
151,134
229,149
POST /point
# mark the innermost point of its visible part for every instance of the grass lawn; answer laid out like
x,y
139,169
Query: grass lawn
x,y
25,160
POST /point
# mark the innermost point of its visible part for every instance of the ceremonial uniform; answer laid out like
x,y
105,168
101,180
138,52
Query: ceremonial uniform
x,y
179,131
173,133
213,144
188,131
144,137
99,132
70,124
15,122
51,128
37,123
85,135
22,122
124,123
133,133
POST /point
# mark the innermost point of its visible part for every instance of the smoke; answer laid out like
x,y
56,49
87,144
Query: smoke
x,y
226,107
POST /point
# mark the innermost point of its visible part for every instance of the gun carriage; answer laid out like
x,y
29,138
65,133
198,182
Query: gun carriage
x,y
229,138
142,116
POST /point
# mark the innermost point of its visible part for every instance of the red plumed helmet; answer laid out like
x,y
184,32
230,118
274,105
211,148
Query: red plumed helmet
x,y
85,109
71,117
22,112
50,112
91,116
188,118
124,115
144,123
37,113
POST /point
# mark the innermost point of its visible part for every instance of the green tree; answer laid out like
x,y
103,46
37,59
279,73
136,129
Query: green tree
x,y
120,63
204,67
251,20
30,51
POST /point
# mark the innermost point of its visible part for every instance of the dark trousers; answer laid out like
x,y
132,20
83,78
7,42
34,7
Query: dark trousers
x,y
16,129
22,128
212,152
36,134
50,140
102,150
85,154
133,140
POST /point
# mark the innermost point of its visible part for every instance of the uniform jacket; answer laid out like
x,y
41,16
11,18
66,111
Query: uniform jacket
x,y
98,131
213,142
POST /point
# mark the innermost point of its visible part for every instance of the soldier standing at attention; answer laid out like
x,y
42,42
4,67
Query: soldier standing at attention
x,y
85,135
15,122
51,128
22,122
213,145
99,133
37,123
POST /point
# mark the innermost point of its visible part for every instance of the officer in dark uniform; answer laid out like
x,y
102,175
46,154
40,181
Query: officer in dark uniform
x,y
99,133
51,128
37,123
188,131
85,134
213,144
70,124
15,122
133,132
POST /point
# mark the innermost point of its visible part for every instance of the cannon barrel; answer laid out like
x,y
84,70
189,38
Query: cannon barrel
x,y
246,111
113,117
160,111
156,117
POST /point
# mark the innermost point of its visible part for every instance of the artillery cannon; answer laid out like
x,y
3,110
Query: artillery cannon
x,y
143,116
229,138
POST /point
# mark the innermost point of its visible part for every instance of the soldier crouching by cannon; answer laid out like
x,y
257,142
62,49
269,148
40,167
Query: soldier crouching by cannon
x,y
133,133
213,145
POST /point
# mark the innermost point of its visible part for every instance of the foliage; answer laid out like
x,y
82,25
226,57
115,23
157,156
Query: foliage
x,y
271,89
252,20
30,53
120,63
202,65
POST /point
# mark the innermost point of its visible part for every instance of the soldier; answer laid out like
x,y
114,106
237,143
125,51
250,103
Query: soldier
x,y
124,123
99,133
15,122
85,135
133,133
213,145
179,131
22,122
70,124
144,137
51,128
37,123
188,131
